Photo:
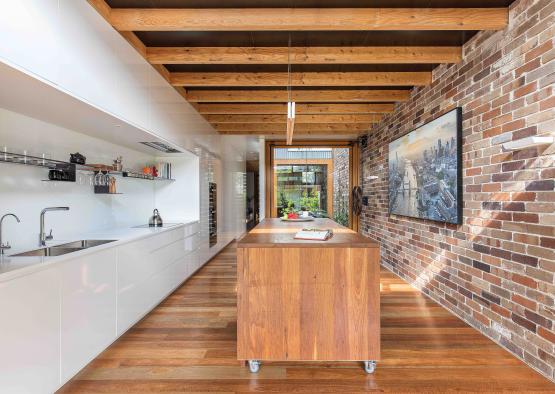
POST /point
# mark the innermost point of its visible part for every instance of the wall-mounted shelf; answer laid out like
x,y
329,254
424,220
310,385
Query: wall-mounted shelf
x,y
528,142
17,158
136,175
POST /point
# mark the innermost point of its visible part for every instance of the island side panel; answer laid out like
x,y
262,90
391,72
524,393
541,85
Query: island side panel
x,y
260,309
308,304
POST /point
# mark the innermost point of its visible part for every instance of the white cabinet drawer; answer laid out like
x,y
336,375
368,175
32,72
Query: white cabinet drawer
x,y
141,282
139,260
191,243
88,309
192,228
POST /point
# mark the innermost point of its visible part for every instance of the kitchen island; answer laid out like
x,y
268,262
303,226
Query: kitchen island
x,y
303,300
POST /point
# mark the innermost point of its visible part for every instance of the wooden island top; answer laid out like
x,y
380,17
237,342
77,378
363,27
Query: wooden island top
x,y
275,233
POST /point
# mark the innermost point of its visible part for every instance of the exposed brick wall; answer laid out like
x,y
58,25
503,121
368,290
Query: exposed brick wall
x,y
496,270
341,181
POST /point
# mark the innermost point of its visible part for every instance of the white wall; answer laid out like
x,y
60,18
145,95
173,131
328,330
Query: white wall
x,y
23,192
180,200
69,45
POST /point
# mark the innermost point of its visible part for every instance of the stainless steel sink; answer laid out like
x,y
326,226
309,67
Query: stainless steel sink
x,y
66,248
47,252
85,243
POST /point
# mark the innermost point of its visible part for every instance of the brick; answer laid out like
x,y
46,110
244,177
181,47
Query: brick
x,y
525,302
521,321
547,242
549,335
505,249
524,280
490,297
513,206
481,266
526,217
525,259
523,196
513,166
547,185
489,205
539,320
526,89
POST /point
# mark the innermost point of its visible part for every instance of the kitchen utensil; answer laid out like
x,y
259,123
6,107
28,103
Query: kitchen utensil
x,y
118,166
77,158
155,220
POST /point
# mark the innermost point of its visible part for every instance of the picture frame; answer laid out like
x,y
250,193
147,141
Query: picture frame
x,y
425,171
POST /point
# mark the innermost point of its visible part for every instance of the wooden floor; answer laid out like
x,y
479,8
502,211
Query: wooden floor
x,y
187,344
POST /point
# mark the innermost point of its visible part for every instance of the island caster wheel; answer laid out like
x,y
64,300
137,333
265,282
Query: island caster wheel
x,y
369,366
254,366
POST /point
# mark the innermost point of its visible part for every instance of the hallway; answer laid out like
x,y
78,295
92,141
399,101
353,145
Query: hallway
x,y
188,344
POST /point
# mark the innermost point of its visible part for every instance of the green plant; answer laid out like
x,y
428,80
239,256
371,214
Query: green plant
x,y
310,202
289,209
283,202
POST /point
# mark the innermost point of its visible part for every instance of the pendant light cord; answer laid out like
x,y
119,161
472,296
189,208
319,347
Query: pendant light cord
x,y
289,69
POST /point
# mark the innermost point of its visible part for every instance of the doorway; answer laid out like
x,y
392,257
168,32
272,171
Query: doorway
x,y
253,211
313,178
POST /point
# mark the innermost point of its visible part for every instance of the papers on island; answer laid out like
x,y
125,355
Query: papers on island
x,y
314,234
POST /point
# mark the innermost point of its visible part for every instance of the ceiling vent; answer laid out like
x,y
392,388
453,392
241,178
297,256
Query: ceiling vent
x,y
161,147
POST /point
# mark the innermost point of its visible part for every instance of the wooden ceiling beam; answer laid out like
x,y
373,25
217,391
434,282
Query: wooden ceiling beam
x,y
307,19
281,96
299,119
316,127
303,55
298,133
217,79
302,109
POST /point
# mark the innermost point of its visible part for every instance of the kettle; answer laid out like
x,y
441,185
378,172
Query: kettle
x,y
155,220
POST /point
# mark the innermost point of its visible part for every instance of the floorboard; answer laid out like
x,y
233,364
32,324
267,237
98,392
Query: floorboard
x,y
187,344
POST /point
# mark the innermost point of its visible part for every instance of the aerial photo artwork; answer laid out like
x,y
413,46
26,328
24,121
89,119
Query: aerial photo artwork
x,y
424,165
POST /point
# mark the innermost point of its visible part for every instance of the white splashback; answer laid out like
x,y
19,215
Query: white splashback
x,y
23,192
179,201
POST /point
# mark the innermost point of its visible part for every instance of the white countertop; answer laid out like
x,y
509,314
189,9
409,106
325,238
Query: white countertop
x,y
13,267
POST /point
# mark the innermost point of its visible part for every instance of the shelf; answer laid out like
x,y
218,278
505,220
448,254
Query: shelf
x,y
16,158
135,175
528,142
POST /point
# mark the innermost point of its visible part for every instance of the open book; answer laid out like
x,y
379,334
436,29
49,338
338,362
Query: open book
x,y
315,234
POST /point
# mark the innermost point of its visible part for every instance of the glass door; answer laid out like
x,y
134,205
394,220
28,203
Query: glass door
x,y
311,180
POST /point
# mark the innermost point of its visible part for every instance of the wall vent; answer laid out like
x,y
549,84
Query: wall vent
x,y
161,147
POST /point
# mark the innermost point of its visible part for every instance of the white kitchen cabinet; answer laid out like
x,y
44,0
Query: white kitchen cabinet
x,y
101,68
30,333
147,271
56,320
30,32
88,308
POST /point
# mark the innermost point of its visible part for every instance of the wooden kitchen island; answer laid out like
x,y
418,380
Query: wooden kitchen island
x,y
300,300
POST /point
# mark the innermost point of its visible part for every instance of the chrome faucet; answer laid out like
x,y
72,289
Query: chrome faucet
x,y
7,246
42,235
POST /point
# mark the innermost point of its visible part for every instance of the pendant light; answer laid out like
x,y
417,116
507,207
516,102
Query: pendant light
x,y
290,102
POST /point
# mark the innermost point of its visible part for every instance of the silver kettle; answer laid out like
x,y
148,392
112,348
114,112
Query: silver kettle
x,y
155,220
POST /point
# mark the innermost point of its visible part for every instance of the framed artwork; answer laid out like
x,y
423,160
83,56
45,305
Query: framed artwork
x,y
425,171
